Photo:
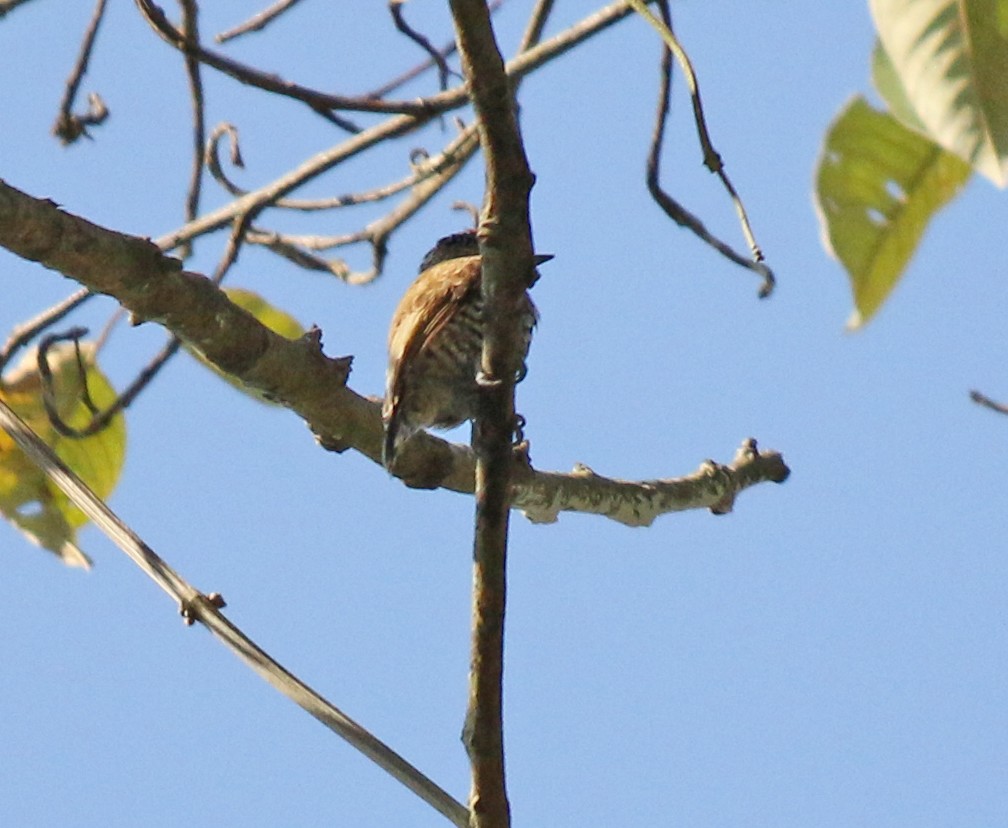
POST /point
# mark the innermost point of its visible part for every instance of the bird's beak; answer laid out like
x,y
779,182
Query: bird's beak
x,y
541,258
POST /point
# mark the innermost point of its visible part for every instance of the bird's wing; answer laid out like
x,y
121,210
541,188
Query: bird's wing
x,y
430,302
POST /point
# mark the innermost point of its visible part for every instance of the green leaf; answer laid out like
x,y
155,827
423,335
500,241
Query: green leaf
x,y
28,499
877,186
890,87
951,57
276,320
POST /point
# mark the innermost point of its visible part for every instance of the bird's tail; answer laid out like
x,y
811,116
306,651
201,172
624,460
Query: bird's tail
x,y
391,439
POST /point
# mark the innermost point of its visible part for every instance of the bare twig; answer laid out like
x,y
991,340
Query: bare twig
x,y
541,496
424,184
420,68
100,418
423,167
673,209
470,209
69,127
206,609
444,71
27,331
258,21
401,80
536,24
394,127
190,31
291,248
323,103
987,402
7,6
235,239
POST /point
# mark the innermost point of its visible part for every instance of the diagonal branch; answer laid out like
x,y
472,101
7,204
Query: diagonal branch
x,y
393,127
153,286
258,21
195,606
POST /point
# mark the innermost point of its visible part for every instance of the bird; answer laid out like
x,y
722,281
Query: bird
x,y
435,343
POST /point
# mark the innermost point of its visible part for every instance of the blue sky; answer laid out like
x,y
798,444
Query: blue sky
x,y
830,654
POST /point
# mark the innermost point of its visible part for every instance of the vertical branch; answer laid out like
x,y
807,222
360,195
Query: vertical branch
x,y
190,30
506,249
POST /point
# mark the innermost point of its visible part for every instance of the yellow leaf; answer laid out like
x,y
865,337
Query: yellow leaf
x,y
28,499
878,184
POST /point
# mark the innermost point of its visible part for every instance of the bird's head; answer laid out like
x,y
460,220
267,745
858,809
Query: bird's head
x,y
458,245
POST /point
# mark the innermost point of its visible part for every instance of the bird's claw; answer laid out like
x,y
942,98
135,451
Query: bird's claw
x,y
485,381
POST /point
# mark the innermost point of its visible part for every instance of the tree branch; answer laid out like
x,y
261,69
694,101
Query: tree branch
x,y
152,286
195,606
393,127
507,268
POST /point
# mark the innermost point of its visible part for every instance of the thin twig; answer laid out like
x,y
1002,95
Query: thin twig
x,y
100,418
401,80
449,163
673,209
322,103
24,333
7,6
393,127
444,71
444,52
536,24
110,324
211,156
423,167
987,402
190,31
235,239
68,126
258,21
293,249
206,609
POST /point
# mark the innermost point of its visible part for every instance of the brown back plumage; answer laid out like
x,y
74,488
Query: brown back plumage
x,y
435,343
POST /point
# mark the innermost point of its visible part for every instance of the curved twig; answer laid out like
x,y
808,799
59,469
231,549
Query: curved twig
x,y
322,103
672,208
438,60
24,333
425,185
424,166
100,418
443,53
69,127
526,62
